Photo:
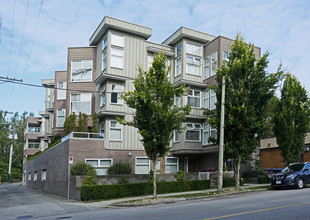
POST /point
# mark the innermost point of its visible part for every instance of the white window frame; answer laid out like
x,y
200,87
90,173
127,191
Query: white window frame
x,y
118,89
171,164
86,96
191,94
193,66
43,175
178,60
176,136
208,132
99,166
83,64
34,130
142,164
178,101
61,90
225,56
120,128
192,49
29,176
35,144
62,116
209,99
117,51
150,59
210,65
193,127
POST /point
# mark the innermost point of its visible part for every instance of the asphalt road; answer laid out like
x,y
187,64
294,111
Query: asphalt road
x,y
17,202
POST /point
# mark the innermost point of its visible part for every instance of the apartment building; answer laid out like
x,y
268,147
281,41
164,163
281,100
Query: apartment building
x,y
97,75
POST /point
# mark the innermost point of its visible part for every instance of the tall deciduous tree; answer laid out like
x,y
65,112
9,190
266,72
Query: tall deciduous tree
x,y
249,89
291,119
156,116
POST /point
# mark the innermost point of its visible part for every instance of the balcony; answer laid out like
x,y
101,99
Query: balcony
x,y
83,135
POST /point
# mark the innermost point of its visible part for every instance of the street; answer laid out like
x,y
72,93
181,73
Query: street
x,y
18,202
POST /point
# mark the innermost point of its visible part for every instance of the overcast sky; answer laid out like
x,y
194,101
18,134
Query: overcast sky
x,y
35,34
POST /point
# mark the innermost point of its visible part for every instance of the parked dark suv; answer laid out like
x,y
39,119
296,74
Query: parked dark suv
x,y
294,175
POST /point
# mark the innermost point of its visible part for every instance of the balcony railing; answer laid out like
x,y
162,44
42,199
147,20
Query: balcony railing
x,y
83,135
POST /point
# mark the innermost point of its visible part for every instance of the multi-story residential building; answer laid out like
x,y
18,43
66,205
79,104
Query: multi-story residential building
x,y
97,75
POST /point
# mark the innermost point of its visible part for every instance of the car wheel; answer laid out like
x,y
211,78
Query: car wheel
x,y
300,183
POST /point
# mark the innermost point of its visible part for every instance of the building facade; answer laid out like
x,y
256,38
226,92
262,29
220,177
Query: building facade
x,y
97,75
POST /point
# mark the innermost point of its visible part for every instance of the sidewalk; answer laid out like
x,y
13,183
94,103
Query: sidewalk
x,y
162,198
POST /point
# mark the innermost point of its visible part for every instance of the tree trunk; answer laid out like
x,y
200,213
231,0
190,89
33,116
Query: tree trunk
x,y
154,180
237,172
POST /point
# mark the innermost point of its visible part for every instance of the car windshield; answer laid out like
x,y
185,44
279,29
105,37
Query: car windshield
x,y
293,168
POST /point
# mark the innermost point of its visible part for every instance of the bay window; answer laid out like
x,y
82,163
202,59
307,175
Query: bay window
x,y
193,98
208,132
209,99
116,91
115,131
193,65
193,132
210,65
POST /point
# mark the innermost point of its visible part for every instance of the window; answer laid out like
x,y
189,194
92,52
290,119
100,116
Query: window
x,y
117,51
117,57
178,101
193,98
142,165
116,91
193,132
225,55
177,136
172,164
115,131
104,52
193,65
209,99
102,130
81,70
178,60
43,175
81,102
61,116
117,40
157,166
102,96
101,165
29,176
35,176
33,145
33,130
208,132
149,61
193,49
210,65
61,90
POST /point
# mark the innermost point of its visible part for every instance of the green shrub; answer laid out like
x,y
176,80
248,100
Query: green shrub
x,y
89,181
263,179
230,182
120,168
254,173
82,168
122,180
139,189
181,175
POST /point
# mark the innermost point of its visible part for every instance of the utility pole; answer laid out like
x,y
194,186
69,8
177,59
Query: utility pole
x,y
221,144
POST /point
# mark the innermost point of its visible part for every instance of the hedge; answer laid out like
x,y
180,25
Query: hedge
x,y
98,192
230,182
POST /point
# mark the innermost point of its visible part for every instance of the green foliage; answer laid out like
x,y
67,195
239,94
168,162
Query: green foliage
x,y
263,179
291,119
70,124
231,182
254,173
13,126
83,122
123,180
89,181
95,120
249,91
120,168
181,175
82,168
56,139
156,116
139,189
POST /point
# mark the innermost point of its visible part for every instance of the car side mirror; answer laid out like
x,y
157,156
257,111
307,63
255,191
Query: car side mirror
x,y
306,169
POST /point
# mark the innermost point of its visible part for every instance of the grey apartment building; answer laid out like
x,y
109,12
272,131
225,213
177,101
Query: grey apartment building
x,y
97,75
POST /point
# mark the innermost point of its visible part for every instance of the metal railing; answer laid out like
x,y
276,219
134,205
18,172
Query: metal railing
x,y
83,135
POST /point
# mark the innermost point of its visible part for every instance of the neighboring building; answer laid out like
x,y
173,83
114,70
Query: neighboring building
x,y
97,75
270,154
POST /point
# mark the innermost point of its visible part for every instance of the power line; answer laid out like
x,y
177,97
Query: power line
x,y
40,86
